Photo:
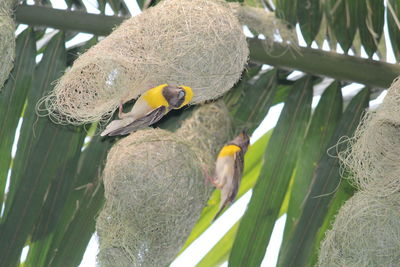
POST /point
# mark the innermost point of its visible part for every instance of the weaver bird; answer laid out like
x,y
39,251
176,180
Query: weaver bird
x,y
229,169
149,108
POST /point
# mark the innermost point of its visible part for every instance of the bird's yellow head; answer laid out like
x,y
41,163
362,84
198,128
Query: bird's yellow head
x,y
188,95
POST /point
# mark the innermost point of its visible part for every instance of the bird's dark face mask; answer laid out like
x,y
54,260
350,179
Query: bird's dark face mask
x,y
244,141
175,96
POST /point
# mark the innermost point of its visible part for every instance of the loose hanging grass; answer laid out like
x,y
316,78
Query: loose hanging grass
x,y
374,153
265,23
155,188
180,42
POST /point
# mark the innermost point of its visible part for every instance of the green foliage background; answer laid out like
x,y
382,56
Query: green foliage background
x,y
55,191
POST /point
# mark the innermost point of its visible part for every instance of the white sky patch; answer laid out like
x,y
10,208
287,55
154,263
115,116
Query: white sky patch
x,y
315,101
133,8
377,101
16,138
89,258
48,35
314,45
363,53
268,122
78,39
91,6
294,75
271,256
24,253
6,189
20,29
321,87
302,42
38,58
266,67
58,4
247,32
108,10
390,58
339,49
351,90
325,45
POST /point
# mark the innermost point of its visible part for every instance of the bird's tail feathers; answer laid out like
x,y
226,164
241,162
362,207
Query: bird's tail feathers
x,y
221,208
113,126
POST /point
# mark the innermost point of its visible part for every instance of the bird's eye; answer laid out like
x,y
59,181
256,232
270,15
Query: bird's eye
x,y
181,94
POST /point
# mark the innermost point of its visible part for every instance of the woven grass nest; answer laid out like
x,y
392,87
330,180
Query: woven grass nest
x,y
199,44
7,40
264,22
155,189
366,233
374,153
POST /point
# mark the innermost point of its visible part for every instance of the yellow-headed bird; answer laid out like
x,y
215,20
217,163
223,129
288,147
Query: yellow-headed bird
x,y
150,107
229,169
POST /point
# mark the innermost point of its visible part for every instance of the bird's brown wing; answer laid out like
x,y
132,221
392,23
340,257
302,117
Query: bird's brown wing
x,y
237,176
149,119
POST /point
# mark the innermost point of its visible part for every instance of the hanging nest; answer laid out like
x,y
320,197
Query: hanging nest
x,y
7,40
202,129
154,193
266,23
155,189
180,42
374,154
366,232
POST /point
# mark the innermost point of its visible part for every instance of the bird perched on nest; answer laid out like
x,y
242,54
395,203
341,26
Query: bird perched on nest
x,y
150,107
229,169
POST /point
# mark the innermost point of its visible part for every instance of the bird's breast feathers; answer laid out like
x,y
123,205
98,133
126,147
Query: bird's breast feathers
x,y
229,150
155,98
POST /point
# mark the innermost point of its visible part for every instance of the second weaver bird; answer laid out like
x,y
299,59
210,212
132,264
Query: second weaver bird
x,y
229,169
149,108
